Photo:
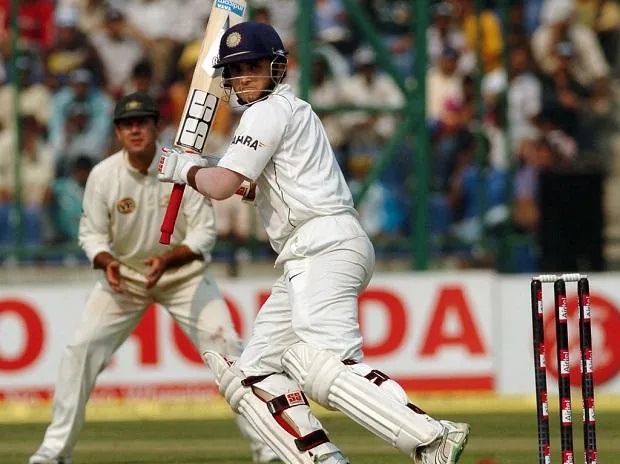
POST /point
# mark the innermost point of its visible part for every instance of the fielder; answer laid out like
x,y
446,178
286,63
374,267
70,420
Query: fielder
x,y
122,209
306,340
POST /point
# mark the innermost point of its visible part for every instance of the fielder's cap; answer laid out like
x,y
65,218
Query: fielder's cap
x,y
135,105
249,41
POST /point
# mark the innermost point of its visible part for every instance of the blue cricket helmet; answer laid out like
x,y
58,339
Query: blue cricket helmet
x,y
248,41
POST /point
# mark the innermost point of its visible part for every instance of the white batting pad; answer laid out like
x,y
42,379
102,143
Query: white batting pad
x,y
332,384
388,386
261,452
243,401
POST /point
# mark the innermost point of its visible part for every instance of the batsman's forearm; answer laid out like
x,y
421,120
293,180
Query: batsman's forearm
x,y
216,182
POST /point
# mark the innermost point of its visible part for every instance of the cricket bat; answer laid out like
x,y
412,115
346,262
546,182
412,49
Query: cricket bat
x,y
202,101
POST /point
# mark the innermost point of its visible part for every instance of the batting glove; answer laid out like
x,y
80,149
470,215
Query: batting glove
x,y
174,164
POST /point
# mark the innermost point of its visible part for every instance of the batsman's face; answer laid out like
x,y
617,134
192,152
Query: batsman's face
x,y
251,80
137,135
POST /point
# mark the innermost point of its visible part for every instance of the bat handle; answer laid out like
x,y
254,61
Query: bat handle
x,y
167,225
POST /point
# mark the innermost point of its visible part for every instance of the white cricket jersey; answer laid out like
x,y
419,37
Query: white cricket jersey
x,y
123,210
280,144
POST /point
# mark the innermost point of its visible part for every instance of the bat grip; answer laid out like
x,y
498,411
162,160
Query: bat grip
x,y
167,225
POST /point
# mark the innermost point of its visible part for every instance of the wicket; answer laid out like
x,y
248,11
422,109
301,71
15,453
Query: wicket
x,y
562,356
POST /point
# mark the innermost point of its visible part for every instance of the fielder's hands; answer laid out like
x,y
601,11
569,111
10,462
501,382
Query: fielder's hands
x,y
157,267
174,164
113,275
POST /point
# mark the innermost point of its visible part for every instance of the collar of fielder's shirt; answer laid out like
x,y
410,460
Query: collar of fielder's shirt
x,y
152,170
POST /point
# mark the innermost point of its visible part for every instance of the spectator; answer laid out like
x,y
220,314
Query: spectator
x,y
34,97
572,108
143,80
326,91
380,214
602,17
493,121
392,20
153,24
445,138
588,64
36,173
71,50
80,121
193,16
331,25
535,156
531,15
477,193
443,82
517,33
524,97
91,12
262,15
118,50
35,20
369,87
490,34
443,33
281,14
67,195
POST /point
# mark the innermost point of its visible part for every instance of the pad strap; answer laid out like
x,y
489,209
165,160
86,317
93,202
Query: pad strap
x,y
281,403
312,440
415,408
253,379
375,376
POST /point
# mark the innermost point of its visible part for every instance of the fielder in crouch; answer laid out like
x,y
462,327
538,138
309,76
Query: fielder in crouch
x,y
306,340
119,230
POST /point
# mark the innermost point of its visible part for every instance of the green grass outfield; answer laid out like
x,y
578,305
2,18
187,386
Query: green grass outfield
x,y
500,435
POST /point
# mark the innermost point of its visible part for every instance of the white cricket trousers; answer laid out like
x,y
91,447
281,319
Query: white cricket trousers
x,y
314,301
109,318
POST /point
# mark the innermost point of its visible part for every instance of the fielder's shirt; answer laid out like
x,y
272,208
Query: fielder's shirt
x,y
123,210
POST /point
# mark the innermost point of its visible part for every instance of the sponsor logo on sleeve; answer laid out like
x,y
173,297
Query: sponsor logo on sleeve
x,y
247,141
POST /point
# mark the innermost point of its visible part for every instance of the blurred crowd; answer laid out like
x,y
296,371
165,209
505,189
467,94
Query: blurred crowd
x,y
507,98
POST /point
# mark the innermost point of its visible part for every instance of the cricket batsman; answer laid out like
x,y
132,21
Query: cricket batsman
x,y
306,342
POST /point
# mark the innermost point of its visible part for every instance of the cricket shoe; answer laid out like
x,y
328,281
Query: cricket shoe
x,y
47,456
448,448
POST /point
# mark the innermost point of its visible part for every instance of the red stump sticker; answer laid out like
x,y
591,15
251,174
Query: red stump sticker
x,y
605,355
